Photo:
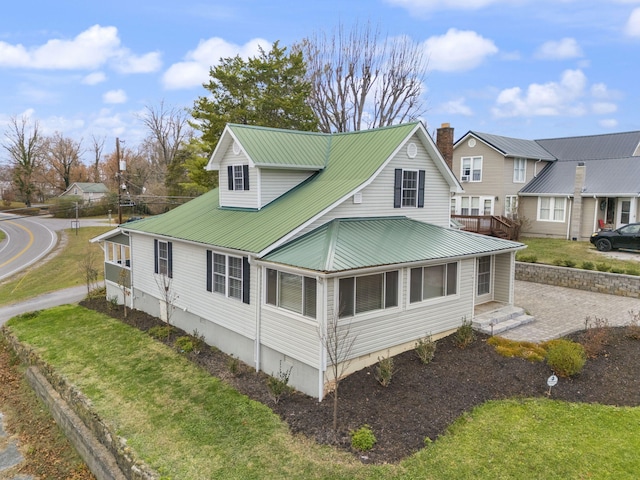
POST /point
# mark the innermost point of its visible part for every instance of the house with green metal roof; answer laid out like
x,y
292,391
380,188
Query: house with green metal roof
x,y
311,239
87,191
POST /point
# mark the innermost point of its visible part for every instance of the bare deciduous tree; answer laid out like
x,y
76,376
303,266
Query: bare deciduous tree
x,y
338,343
25,147
360,80
97,145
62,156
168,296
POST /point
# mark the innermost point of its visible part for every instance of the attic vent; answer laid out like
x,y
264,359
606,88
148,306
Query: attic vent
x,y
471,142
236,148
412,150
357,197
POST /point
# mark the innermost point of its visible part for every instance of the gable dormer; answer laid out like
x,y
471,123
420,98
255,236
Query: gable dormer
x,y
257,165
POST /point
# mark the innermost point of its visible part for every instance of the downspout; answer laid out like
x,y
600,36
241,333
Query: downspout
x,y
535,168
595,214
569,219
259,299
130,270
321,283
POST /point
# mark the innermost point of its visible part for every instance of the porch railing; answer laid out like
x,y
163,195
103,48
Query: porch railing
x,y
493,225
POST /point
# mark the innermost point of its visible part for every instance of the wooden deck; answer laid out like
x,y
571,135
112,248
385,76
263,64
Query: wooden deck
x,y
492,225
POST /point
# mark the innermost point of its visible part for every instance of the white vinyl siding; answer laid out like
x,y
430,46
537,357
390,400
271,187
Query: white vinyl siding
x,y
274,183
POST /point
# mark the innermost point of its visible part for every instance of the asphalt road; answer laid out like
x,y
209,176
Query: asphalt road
x,y
27,241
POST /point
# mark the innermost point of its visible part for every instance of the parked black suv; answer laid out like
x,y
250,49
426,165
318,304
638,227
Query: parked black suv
x,y
627,237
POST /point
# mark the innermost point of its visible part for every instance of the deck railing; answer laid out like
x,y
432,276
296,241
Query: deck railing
x,y
493,225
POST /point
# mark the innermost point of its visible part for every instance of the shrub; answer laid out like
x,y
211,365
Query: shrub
x,y
512,348
362,439
198,341
425,348
184,344
385,371
588,265
278,385
596,336
161,332
464,335
603,267
632,330
530,258
233,365
617,270
113,302
566,358
558,262
632,271
569,263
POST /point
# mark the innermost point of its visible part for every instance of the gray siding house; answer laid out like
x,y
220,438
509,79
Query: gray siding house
x,y
560,187
307,230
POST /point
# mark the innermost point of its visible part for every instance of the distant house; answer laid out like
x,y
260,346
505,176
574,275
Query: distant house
x,y
308,228
560,187
88,192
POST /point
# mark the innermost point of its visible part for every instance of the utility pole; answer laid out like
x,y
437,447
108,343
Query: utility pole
x,y
119,182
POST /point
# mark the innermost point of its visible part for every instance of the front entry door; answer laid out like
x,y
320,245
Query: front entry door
x,y
484,279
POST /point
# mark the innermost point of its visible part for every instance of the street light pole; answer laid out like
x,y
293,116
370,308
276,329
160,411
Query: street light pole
x,y
119,182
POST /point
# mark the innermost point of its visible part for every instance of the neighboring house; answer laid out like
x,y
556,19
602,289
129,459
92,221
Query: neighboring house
x,y
560,187
88,192
306,229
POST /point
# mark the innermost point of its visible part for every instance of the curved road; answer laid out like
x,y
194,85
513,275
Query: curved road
x,y
26,242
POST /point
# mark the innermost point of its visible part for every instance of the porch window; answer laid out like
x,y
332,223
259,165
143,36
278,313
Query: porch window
x,y
118,254
484,275
470,206
625,211
367,293
551,209
433,282
292,292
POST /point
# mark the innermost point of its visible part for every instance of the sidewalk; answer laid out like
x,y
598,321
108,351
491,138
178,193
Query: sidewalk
x,y
48,300
559,311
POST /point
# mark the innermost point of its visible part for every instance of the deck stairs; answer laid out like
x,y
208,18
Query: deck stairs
x,y
501,319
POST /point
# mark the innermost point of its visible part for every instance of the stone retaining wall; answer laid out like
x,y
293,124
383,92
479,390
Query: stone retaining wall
x,y
41,377
590,280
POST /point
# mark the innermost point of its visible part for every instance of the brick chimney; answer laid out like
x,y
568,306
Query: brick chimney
x,y
444,141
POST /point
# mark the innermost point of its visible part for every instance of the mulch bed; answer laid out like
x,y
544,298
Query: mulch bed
x,y
423,400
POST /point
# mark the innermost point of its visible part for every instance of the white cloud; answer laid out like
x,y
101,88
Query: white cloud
x,y
609,123
632,28
94,78
194,70
548,99
424,6
559,50
114,96
458,50
603,108
455,107
90,50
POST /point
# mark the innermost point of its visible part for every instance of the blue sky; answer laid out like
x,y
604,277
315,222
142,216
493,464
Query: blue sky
x,y
522,68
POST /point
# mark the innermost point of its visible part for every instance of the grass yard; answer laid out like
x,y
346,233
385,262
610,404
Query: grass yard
x,y
554,251
187,424
62,270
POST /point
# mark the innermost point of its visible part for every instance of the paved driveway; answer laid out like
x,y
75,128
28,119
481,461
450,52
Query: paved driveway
x,y
559,311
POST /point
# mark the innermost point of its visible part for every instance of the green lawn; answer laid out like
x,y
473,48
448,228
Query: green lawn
x,y
554,251
187,424
62,271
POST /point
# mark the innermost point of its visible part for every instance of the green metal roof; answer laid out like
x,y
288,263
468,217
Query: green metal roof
x,y
346,244
268,147
352,160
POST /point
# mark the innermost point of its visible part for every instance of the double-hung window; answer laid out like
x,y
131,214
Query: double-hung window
x,y
291,292
511,205
409,188
471,170
238,177
367,293
228,275
519,170
433,282
551,209
163,258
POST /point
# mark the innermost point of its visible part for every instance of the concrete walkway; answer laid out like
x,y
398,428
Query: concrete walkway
x,y
559,311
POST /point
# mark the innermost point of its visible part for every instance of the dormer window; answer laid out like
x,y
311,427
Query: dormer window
x,y
238,177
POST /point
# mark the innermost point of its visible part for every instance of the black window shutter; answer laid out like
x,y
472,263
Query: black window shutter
x,y
230,176
397,189
169,260
209,271
155,255
421,189
245,175
245,279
